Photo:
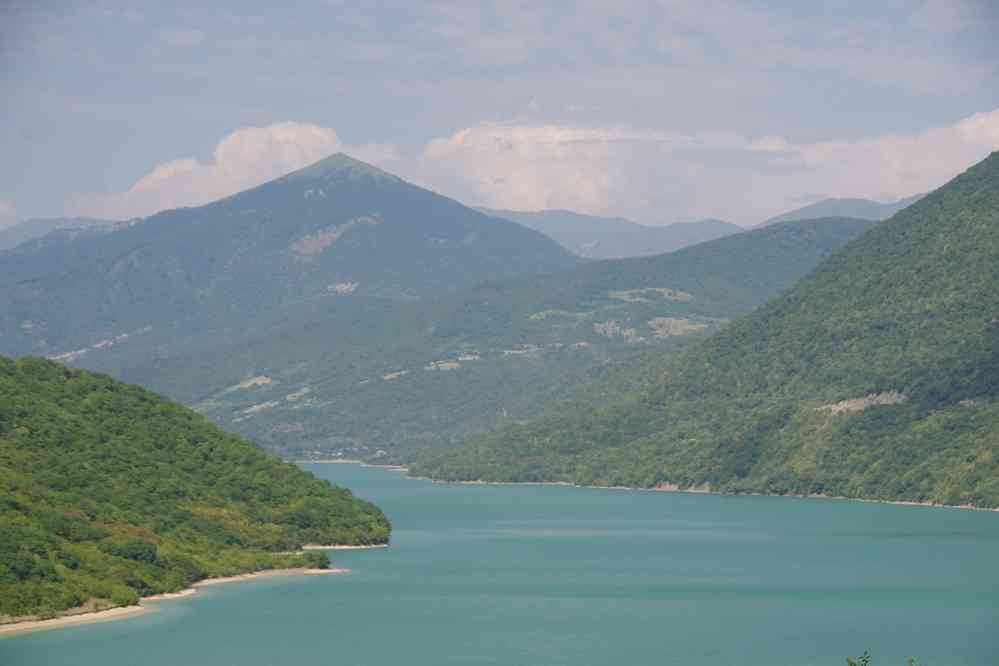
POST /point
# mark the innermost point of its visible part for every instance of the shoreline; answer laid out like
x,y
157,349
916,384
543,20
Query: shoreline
x,y
666,488
345,461
72,618
701,490
313,546
332,461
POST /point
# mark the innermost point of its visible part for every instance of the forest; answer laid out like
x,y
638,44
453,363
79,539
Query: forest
x,y
111,493
876,376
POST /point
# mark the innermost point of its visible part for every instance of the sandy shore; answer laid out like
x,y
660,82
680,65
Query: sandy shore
x,y
70,620
334,461
259,574
312,546
341,461
78,616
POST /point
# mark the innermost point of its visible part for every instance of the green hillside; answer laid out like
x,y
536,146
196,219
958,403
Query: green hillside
x,y
338,235
876,376
598,237
109,492
444,369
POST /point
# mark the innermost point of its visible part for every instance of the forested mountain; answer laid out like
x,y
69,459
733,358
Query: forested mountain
x,y
615,237
319,239
876,376
27,230
863,209
443,369
109,492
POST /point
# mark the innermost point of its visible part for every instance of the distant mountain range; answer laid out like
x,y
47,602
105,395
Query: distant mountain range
x,y
323,238
341,310
875,376
863,209
597,237
430,374
27,230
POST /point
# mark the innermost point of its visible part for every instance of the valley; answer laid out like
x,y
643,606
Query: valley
x,y
495,334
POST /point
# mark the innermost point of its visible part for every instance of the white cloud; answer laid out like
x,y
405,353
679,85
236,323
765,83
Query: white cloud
x,y
649,175
662,177
891,166
547,166
243,159
8,214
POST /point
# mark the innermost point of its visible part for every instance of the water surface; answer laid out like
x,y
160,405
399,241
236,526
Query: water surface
x,y
550,575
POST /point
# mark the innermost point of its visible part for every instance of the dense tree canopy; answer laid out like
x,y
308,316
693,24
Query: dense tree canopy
x,y
876,376
109,492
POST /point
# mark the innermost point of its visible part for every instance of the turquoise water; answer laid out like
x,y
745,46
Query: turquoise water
x,y
555,575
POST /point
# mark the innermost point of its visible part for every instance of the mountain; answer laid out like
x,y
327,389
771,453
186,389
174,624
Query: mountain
x,y
111,493
443,369
863,209
615,237
27,230
876,376
329,236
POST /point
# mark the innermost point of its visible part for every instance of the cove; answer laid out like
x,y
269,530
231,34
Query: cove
x,y
549,575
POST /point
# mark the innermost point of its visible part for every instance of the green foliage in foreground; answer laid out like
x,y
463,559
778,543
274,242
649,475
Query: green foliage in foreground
x,y
109,493
903,322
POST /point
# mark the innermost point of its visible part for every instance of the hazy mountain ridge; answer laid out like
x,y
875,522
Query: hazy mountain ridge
x,y
876,376
864,209
283,312
27,230
429,374
306,238
596,237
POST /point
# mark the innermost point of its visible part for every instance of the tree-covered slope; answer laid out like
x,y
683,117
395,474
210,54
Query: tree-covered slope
x,y
109,492
282,251
876,376
441,370
598,237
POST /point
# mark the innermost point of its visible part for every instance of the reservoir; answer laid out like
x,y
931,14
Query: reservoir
x,y
555,575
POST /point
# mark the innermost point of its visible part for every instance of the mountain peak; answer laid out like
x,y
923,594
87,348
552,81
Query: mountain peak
x,y
340,165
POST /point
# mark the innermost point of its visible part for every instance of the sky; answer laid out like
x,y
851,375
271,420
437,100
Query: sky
x,y
658,110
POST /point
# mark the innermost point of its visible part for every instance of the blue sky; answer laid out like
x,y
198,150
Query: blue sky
x,y
659,111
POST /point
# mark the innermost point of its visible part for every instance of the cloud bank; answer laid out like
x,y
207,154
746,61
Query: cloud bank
x,y
243,159
652,176
659,177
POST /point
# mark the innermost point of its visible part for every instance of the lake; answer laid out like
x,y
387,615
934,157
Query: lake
x,y
553,575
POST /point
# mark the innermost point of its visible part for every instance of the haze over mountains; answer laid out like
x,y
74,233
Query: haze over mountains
x,y
863,209
304,241
464,363
27,230
597,237
339,310
588,236
876,376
